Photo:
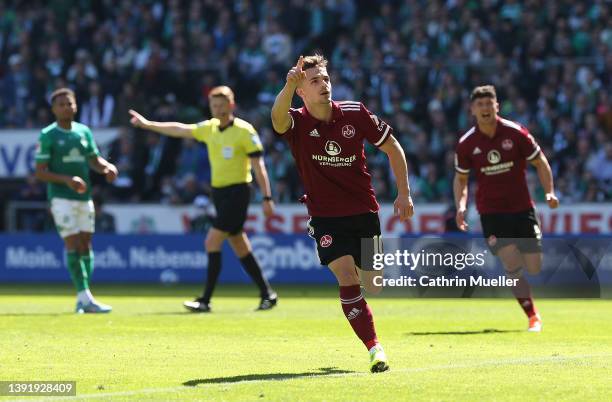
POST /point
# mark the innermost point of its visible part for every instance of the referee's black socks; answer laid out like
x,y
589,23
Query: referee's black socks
x,y
212,275
250,265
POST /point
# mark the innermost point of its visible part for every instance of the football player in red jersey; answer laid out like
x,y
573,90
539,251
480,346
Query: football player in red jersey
x,y
327,141
498,151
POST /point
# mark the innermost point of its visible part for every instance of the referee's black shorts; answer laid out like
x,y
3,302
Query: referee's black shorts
x,y
520,228
231,204
340,236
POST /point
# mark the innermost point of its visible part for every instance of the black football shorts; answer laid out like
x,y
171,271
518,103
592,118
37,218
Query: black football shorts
x,y
340,236
520,228
231,204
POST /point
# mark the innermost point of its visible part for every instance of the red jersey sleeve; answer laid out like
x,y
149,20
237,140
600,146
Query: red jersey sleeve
x,y
294,115
528,146
375,130
463,161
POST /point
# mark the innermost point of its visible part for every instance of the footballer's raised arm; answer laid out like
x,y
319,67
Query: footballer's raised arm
x,y
281,120
171,129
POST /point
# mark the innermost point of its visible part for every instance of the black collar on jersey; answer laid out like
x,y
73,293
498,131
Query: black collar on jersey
x,y
229,124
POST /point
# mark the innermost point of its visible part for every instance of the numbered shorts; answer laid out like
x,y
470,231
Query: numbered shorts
x,y
521,229
231,204
73,216
337,237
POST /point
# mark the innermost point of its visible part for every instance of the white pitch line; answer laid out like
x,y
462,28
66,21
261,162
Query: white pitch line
x,y
485,363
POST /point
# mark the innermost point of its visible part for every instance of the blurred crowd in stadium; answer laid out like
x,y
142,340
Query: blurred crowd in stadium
x,y
412,62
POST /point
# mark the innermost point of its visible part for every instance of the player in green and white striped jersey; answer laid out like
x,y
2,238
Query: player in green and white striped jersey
x,y
66,151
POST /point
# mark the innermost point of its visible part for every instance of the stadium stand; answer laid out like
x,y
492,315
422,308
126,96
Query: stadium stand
x,y
412,62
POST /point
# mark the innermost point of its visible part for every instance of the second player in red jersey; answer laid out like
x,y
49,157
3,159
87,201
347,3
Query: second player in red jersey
x,y
498,150
499,164
326,139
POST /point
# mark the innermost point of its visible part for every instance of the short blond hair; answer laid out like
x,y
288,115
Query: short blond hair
x,y
316,60
483,91
222,91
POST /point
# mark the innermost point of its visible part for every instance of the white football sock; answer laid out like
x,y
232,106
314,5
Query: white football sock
x,y
85,296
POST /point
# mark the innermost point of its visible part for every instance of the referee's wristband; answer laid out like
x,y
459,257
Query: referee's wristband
x,y
267,198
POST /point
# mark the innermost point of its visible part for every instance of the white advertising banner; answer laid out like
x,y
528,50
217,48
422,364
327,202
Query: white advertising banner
x,y
18,148
428,218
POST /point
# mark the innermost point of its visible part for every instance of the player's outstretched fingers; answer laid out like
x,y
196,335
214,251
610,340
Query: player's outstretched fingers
x,y
296,74
300,63
137,119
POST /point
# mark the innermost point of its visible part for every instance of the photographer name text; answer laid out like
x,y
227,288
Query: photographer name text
x,y
441,281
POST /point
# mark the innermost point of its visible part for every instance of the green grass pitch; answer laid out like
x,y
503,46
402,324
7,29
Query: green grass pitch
x,y
148,348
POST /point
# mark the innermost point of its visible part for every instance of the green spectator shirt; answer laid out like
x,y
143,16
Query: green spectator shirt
x,y
67,152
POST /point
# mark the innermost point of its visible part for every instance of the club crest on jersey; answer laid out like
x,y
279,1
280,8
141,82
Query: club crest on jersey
x,y
348,131
326,241
73,156
492,240
493,156
507,144
332,148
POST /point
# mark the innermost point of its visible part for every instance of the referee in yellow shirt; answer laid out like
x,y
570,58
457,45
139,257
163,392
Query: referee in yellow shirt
x,y
233,147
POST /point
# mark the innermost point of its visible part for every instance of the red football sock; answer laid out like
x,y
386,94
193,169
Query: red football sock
x,y
359,314
522,292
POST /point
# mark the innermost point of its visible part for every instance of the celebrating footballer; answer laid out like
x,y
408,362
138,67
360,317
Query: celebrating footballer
x,y
498,151
327,141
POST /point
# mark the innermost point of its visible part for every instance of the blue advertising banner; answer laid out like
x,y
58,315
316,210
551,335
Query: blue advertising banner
x,y
288,258
153,258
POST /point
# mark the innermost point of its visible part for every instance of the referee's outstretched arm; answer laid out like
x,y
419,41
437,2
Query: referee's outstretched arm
x,y
172,129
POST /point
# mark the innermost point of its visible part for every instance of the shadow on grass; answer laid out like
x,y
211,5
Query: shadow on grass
x,y
481,332
178,313
265,377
